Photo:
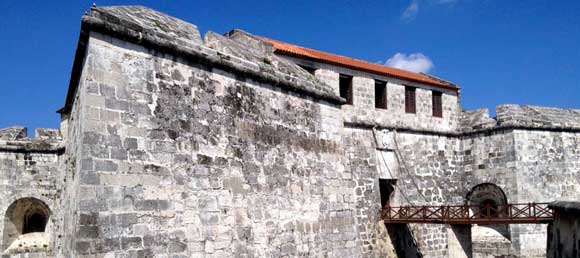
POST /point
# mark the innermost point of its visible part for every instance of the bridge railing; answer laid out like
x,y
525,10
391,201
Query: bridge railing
x,y
465,214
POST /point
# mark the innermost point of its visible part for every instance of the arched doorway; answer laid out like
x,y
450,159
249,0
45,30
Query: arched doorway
x,y
489,201
26,218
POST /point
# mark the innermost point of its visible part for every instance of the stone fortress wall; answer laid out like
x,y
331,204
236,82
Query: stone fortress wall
x,y
526,151
31,183
176,146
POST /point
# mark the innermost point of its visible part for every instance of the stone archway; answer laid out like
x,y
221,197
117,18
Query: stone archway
x,y
489,200
25,223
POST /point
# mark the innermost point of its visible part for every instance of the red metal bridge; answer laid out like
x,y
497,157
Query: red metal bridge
x,y
529,213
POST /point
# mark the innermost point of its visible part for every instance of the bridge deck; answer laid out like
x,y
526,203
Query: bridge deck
x,y
529,213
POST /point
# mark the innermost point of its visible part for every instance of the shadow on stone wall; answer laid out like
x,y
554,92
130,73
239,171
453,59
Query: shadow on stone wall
x,y
403,241
564,232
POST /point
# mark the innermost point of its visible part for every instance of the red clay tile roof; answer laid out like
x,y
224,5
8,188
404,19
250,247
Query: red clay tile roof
x,y
294,50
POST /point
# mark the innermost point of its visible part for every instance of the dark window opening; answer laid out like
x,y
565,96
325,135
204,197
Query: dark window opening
x,y
345,85
308,69
386,187
437,104
380,94
410,103
34,222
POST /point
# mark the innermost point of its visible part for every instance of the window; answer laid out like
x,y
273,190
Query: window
x,y
380,94
345,85
410,105
308,69
437,104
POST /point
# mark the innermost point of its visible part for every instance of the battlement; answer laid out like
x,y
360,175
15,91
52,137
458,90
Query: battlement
x,y
16,139
521,117
538,117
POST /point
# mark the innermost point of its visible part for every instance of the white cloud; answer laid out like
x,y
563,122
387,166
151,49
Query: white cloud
x,y
417,62
411,11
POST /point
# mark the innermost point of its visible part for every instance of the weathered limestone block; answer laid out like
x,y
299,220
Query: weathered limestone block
x,y
29,243
330,78
149,21
47,134
363,92
13,133
538,117
476,119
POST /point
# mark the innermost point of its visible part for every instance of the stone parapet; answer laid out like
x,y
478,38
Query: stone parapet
x,y
525,117
15,139
470,120
538,117
13,133
154,30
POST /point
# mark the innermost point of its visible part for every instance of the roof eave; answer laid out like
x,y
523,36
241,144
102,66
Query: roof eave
x,y
441,85
76,69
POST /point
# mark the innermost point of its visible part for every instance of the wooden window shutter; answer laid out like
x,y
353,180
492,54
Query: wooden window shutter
x,y
437,104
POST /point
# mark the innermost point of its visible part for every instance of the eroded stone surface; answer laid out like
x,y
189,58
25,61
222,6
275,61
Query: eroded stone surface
x,y
13,133
176,147
29,243
146,20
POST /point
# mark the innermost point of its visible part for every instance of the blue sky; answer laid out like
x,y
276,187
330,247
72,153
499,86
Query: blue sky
x,y
523,52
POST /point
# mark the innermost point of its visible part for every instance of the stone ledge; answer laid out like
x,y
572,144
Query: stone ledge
x,y
499,128
32,146
15,139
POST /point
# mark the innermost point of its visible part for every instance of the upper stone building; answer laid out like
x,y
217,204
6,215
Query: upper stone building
x,y
238,145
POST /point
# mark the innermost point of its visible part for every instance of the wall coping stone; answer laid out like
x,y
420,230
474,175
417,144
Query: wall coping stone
x,y
14,139
33,146
138,29
13,133
46,140
458,134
